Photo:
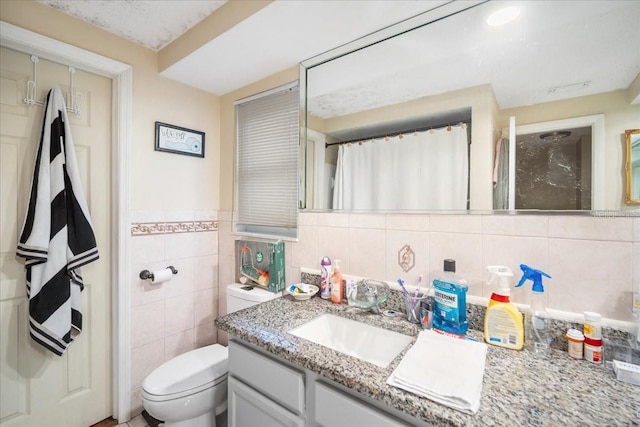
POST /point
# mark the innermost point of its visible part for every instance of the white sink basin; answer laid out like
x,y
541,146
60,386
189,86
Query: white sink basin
x,y
372,344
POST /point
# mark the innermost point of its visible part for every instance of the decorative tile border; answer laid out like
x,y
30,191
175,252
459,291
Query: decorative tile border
x,y
205,225
178,227
146,228
150,228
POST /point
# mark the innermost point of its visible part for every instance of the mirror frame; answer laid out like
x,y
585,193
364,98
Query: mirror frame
x,y
628,198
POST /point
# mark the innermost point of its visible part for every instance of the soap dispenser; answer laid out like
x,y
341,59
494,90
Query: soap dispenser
x,y
503,324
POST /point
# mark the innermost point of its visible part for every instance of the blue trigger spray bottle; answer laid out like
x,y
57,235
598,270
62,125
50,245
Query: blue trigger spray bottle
x,y
537,337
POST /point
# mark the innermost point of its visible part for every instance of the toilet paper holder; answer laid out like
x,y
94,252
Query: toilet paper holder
x,y
148,275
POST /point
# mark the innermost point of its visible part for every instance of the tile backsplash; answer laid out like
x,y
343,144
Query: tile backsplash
x,y
594,261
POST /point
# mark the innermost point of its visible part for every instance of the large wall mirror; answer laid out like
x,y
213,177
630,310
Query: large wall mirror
x,y
443,112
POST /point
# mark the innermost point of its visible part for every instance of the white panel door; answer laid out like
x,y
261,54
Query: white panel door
x,y
38,388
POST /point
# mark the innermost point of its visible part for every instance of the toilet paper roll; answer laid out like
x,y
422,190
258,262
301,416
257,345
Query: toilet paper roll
x,y
161,276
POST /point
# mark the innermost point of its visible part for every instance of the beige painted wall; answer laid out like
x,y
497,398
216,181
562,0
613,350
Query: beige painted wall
x,y
619,115
159,180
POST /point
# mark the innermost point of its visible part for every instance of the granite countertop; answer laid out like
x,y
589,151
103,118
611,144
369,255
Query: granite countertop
x,y
519,387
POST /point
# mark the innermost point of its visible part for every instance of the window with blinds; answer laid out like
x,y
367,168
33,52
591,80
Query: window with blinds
x,y
268,132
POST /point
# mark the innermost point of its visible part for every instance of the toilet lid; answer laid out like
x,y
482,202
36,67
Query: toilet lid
x,y
188,371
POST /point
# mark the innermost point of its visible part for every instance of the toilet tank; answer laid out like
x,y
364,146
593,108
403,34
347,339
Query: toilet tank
x,y
240,296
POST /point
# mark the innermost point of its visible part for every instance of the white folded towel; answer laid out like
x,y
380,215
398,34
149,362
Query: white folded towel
x,y
444,369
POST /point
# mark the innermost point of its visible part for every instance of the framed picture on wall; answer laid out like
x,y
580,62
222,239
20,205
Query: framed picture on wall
x,y
179,140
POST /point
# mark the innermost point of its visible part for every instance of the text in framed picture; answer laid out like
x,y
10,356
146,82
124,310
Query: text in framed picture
x,y
179,140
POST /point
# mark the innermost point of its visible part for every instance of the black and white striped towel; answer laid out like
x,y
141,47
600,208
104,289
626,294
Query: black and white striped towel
x,y
57,237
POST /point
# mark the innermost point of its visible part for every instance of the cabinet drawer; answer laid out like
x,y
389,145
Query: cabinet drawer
x,y
334,408
247,407
270,377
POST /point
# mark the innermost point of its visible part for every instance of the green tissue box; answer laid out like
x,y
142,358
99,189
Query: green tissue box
x,y
262,263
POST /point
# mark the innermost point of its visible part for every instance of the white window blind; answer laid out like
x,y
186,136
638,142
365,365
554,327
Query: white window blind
x,y
267,163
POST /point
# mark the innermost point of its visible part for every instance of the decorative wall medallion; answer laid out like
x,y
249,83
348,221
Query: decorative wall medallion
x,y
406,258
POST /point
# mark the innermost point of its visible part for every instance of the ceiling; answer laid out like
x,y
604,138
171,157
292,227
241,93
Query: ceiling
x,y
287,32
277,37
149,23
553,51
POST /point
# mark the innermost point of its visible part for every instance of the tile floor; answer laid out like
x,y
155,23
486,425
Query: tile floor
x,y
138,421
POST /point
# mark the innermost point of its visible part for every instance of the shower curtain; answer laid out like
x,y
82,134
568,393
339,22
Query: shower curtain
x,y
420,171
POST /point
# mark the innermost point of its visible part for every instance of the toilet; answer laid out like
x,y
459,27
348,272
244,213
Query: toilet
x,y
191,389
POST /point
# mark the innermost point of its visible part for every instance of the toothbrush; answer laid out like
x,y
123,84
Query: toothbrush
x,y
411,303
417,292
404,290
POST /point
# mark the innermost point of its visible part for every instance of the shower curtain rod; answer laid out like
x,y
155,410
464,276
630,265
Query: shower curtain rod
x,y
391,135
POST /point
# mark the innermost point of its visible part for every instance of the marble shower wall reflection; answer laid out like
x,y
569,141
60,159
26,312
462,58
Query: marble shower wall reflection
x,y
553,170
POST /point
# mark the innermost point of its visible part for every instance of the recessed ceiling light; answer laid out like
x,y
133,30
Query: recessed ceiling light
x,y
503,16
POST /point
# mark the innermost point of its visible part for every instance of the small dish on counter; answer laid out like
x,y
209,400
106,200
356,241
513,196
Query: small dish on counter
x,y
302,291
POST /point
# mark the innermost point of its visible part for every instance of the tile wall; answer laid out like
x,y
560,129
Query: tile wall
x,y
594,261
170,318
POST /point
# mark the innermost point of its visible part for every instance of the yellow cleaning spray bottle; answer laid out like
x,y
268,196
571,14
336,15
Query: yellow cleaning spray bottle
x,y
503,324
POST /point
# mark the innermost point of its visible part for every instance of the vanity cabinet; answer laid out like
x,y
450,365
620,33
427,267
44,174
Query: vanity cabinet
x,y
276,380
263,391
266,391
